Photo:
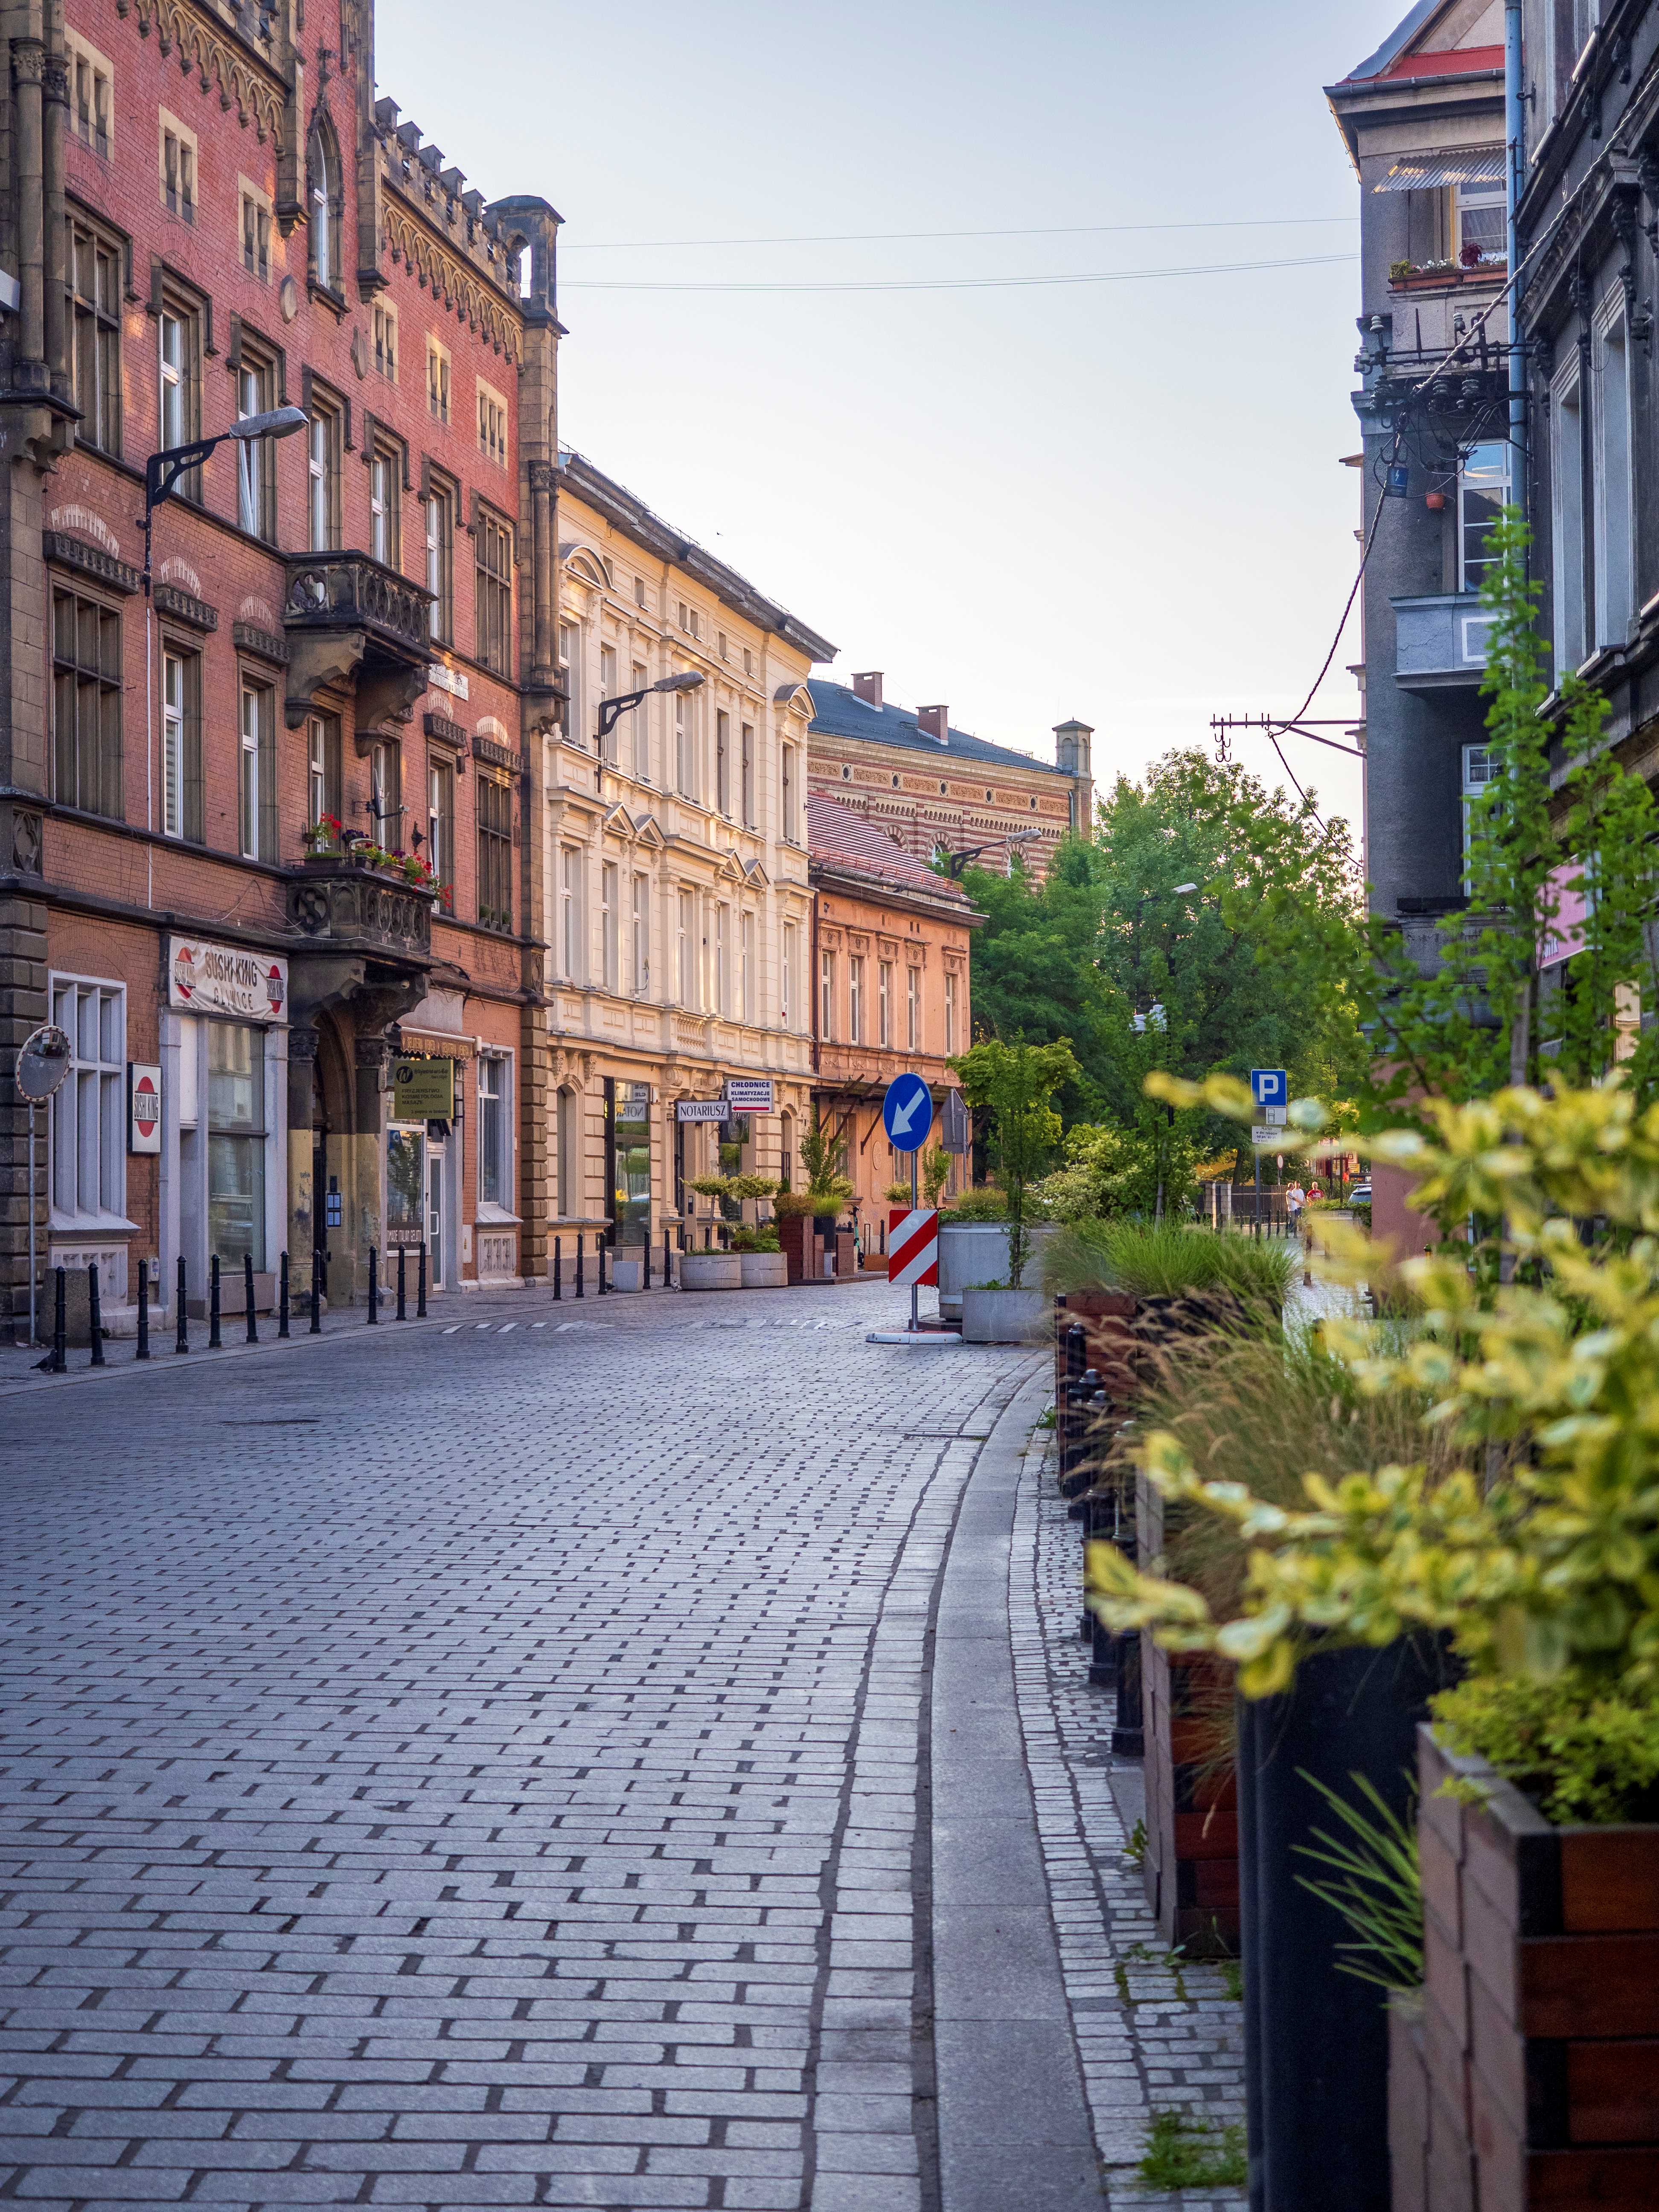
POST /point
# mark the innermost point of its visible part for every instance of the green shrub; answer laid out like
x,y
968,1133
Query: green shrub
x,y
1594,1759
1147,1260
764,1239
984,1204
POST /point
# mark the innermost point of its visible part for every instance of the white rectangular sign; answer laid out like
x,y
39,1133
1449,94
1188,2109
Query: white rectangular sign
x,y
203,978
748,1094
702,1109
1268,1133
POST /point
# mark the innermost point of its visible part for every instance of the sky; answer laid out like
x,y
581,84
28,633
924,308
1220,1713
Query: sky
x,y
1121,501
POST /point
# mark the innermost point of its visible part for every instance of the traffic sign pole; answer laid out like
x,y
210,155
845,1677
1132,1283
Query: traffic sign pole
x,y
916,1293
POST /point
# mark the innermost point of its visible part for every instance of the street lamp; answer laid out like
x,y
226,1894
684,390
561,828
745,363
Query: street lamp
x,y
612,710
955,862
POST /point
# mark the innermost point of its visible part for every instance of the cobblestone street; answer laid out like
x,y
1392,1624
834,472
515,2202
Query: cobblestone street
x,y
554,1764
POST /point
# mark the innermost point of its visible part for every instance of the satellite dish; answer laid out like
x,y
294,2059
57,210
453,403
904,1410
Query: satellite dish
x,y
43,1063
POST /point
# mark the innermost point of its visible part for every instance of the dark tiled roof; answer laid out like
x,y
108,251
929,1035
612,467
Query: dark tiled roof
x,y
838,836
838,712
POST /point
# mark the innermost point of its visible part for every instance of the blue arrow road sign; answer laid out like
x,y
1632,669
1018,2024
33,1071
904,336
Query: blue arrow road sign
x,y
907,1112
1270,1086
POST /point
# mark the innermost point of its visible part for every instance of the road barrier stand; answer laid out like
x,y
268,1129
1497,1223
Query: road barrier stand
x,y
182,1341
373,1286
215,1342
94,1314
143,1310
403,1302
420,1284
247,1289
282,1298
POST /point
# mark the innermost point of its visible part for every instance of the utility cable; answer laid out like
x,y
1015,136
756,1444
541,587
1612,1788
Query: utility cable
x,y
946,283
872,237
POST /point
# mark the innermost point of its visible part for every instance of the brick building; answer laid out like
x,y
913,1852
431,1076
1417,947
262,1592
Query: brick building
x,y
347,655
937,788
890,954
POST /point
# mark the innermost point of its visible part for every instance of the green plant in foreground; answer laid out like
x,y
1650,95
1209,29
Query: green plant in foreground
x,y
985,1203
1147,1260
1135,1849
1183,2152
1232,1979
1016,1082
1597,1763
1373,1884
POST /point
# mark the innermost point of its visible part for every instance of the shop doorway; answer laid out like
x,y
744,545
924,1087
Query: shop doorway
x,y
437,1243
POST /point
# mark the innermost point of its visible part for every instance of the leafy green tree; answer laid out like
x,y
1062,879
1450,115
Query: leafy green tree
x,y
1016,1083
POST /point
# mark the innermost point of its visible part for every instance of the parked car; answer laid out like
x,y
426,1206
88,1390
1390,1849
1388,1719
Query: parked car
x,y
1360,1193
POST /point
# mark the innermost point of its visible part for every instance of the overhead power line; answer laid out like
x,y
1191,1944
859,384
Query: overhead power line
x,y
948,284
870,237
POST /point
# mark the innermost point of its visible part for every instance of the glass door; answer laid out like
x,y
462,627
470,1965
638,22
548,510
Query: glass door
x,y
434,1215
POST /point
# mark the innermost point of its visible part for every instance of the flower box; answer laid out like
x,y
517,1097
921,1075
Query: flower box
x,y
1539,2025
711,1271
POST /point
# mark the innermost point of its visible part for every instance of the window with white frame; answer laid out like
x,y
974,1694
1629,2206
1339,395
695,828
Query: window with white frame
x,y
1482,766
322,768
684,746
570,658
950,1013
685,948
571,887
1483,491
787,972
495,1133
179,339
384,483
748,736
723,761
256,786
639,678
746,966
440,560
640,962
827,997
324,441
87,1132
789,826
611,921
325,200
913,1009
1567,522
722,959
1480,214
181,743
854,998
608,691
884,1005
1610,501
441,829
256,458
385,793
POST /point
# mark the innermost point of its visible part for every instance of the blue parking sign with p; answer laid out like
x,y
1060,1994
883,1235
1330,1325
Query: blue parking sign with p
x,y
1270,1086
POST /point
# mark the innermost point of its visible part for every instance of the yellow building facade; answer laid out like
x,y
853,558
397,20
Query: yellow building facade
x,y
678,911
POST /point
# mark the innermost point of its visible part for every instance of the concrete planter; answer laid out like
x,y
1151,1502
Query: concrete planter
x,y
764,1271
1005,1316
711,1271
628,1274
977,1252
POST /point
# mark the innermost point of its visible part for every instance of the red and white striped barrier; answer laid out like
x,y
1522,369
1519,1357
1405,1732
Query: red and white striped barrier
x,y
913,1245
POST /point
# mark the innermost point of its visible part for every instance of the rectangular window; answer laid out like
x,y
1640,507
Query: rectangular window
x,y
789,825
440,517
884,1002
951,1044
684,745
181,743
88,1111
385,484
236,1144
256,458
1567,459
494,642
494,804
1483,490
324,439
570,666
1482,224
722,960
255,782
495,1183
642,720
611,921
180,330
441,830
1616,599
827,997
385,794
608,691
641,959
571,964
723,762
746,967
323,797
256,236
437,381
913,1009
787,974
86,700
386,341
854,998
492,425
1482,765
95,309
91,103
749,775
178,168
685,948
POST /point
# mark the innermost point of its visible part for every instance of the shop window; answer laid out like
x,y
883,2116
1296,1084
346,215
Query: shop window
x,y
96,309
181,743
86,704
570,1194
495,1177
236,1144
89,1113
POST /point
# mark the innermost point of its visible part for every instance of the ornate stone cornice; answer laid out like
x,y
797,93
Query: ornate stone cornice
x,y
208,53
449,280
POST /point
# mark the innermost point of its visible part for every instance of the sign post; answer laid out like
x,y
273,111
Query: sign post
x,y
907,1113
1270,1088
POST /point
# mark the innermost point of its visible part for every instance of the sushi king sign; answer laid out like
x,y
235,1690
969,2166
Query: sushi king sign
x,y
203,978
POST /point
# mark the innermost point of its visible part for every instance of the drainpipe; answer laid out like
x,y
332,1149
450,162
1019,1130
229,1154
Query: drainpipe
x,y
1515,131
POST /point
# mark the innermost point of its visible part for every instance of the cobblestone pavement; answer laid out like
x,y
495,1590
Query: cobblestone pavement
x,y
480,1768
1155,2032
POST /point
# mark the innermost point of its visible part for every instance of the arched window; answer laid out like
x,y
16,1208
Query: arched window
x,y
324,201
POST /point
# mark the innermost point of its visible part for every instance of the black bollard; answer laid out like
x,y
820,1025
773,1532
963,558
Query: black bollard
x,y
604,1285
143,1310
581,1255
420,1284
373,1286
215,1342
667,1259
94,1314
247,1288
558,1269
60,1327
182,1341
281,1296
403,1284
316,1328
647,1258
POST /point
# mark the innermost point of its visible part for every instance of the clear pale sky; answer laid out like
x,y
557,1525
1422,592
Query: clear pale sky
x,y
1118,501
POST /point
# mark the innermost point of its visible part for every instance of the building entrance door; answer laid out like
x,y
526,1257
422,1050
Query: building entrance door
x,y
436,1256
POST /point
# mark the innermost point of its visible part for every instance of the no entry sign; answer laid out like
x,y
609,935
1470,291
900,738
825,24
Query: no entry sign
x,y
913,1245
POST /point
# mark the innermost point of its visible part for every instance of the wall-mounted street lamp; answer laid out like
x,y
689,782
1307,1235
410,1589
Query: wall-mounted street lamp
x,y
612,710
955,862
163,471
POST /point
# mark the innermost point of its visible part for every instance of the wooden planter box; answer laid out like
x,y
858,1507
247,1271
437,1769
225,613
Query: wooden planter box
x,y
1532,2079
795,1239
1105,1316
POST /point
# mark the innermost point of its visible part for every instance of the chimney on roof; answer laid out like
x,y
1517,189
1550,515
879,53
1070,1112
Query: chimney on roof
x,y
867,687
934,722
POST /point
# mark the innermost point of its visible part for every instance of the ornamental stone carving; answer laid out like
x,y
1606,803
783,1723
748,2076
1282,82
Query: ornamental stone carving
x,y
338,902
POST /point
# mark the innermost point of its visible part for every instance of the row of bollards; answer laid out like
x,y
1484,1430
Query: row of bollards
x,y
1100,1503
